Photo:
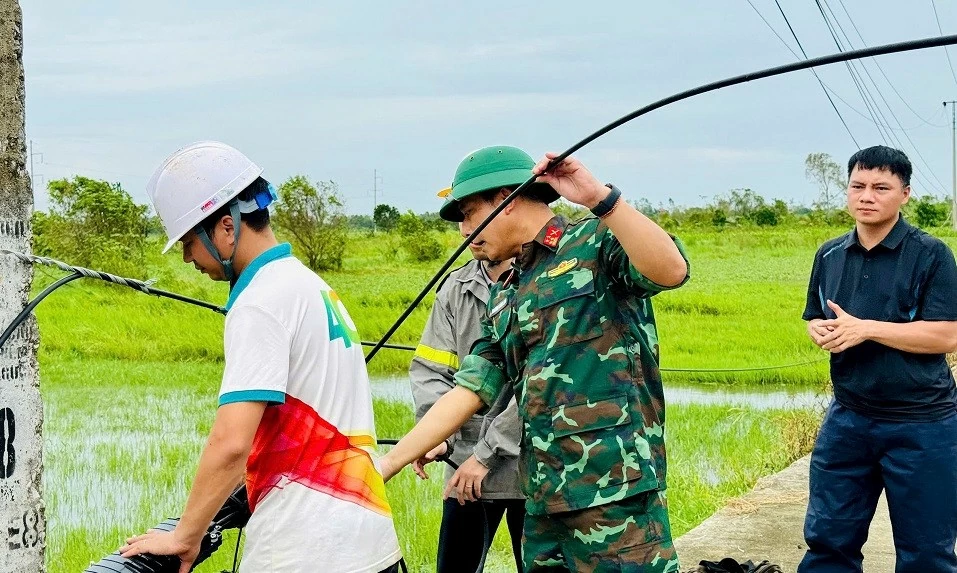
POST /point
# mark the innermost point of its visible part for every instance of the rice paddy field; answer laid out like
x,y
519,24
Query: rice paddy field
x,y
130,384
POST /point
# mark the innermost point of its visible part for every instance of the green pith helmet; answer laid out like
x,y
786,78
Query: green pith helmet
x,y
491,168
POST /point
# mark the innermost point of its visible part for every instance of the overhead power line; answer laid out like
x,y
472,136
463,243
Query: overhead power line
x,y
946,51
870,100
890,110
823,87
881,69
832,91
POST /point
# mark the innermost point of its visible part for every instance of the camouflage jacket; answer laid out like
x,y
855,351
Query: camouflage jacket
x,y
572,329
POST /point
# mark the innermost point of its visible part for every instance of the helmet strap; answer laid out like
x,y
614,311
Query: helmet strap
x,y
227,264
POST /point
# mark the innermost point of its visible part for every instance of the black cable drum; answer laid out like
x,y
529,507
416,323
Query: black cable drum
x,y
233,515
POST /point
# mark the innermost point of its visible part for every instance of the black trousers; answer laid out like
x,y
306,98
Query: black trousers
x,y
913,463
462,534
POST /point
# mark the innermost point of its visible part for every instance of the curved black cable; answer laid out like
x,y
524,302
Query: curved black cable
x,y
33,303
743,78
390,346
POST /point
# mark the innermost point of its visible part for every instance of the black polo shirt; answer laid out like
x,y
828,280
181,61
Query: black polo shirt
x,y
909,276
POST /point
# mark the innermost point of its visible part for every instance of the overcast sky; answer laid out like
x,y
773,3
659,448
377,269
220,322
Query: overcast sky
x,y
405,89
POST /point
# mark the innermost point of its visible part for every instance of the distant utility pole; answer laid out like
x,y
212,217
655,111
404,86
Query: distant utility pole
x,y
33,175
953,142
375,196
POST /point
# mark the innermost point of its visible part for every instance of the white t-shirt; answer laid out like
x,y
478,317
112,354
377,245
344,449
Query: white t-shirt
x,y
318,499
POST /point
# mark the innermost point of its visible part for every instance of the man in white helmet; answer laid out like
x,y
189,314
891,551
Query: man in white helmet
x,y
295,407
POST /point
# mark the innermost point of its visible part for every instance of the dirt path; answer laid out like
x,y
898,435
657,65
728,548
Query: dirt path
x,y
767,523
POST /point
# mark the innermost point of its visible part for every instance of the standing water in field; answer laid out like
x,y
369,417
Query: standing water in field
x,y
778,397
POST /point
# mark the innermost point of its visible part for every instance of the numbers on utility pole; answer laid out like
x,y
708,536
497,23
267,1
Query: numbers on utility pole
x,y
8,454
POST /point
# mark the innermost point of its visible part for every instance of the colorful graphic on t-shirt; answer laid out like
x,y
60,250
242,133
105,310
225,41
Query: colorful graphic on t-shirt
x,y
294,442
340,323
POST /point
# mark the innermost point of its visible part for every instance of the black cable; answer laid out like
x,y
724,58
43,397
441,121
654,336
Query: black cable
x,y
828,95
487,540
754,369
76,275
443,458
743,78
83,272
239,538
136,284
390,346
33,303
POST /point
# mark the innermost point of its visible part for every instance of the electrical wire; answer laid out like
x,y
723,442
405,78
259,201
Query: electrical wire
x,y
881,69
940,187
946,51
826,91
827,87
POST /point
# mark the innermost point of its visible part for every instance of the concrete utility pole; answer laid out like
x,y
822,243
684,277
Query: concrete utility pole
x,y
953,142
22,523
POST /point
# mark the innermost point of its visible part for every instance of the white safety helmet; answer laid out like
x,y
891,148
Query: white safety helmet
x,y
195,181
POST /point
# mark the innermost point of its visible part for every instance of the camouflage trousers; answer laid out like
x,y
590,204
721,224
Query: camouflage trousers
x,y
629,536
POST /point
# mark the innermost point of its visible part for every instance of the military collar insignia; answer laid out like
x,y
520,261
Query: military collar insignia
x,y
552,235
562,268
498,308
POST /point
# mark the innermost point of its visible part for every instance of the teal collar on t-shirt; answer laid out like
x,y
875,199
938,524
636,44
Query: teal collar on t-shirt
x,y
280,251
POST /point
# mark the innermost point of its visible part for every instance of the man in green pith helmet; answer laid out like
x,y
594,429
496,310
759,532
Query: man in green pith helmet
x,y
571,330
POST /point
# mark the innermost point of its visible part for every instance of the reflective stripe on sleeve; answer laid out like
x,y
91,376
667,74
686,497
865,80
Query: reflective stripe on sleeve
x,y
443,357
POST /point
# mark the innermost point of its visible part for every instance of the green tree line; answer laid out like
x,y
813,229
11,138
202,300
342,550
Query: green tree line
x,y
97,224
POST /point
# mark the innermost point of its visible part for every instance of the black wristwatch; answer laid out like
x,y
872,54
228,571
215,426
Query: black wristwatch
x,y
608,203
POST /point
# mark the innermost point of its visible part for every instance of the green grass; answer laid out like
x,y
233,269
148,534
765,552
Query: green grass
x,y
122,439
741,309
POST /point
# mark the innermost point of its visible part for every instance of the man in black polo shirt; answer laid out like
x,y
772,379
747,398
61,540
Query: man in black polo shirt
x,y
883,300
